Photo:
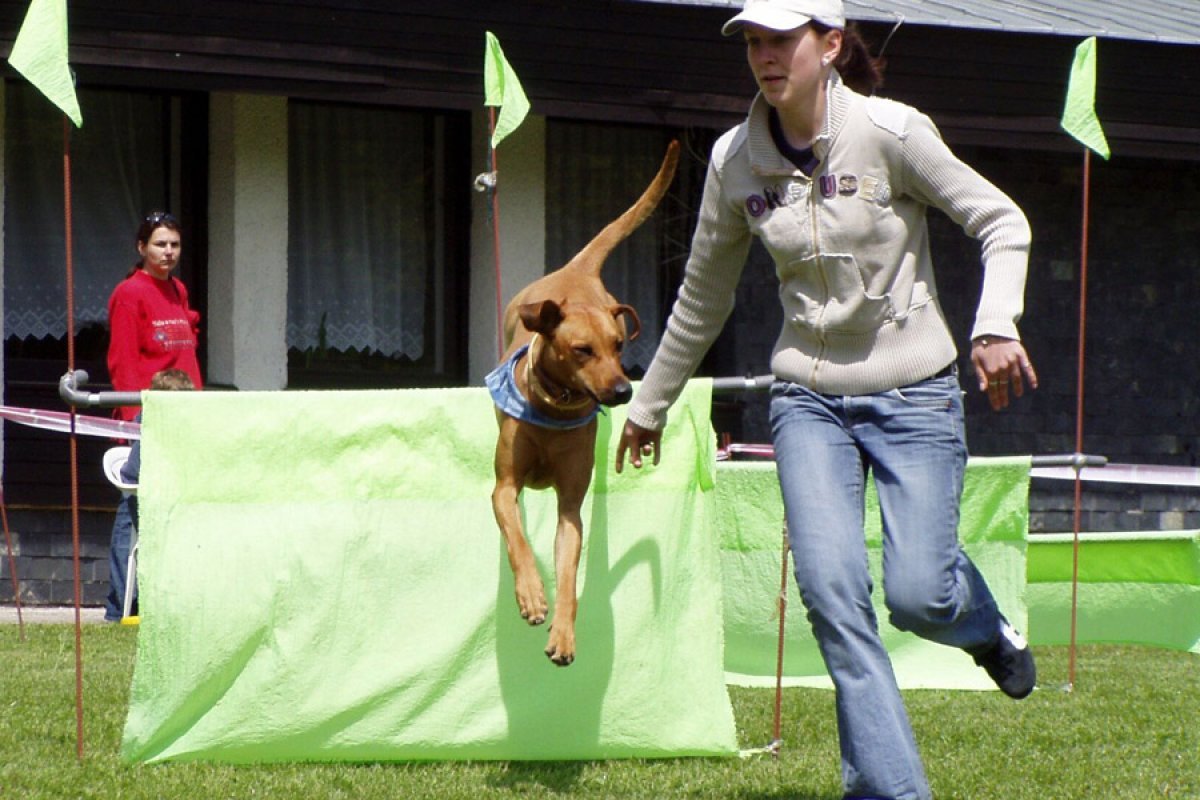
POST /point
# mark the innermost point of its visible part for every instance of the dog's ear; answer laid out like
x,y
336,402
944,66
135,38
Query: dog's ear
x,y
543,317
634,319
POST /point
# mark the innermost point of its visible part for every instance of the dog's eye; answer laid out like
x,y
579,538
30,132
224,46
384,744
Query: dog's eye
x,y
619,346
584,351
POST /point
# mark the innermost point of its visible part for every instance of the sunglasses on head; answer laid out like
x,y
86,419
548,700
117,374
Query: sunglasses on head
x,y
160,217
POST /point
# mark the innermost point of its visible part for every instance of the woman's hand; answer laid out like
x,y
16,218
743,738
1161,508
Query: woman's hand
x,y
639,442
1000,364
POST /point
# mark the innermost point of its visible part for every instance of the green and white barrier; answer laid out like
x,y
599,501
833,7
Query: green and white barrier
x,y
322,579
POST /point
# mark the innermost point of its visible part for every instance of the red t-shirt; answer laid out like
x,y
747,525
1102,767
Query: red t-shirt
x,y
151,328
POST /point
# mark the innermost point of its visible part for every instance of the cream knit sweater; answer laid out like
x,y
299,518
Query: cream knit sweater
x,y
851,251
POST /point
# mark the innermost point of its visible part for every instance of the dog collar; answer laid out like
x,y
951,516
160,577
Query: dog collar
x,y
539,385
502,385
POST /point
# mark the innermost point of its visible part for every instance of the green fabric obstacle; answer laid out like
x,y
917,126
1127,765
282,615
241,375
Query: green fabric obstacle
x,y
1134,588
994,523
322,579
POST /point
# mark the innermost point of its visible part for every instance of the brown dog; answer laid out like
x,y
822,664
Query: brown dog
x,y
564,333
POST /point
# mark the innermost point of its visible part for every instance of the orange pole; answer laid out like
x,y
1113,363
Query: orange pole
x,y
74,442
777,741
1083,271
12,566
494,199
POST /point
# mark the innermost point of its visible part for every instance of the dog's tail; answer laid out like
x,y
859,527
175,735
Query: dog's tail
x,y
591,258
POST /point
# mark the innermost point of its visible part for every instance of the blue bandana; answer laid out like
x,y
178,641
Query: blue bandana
x,y
502,385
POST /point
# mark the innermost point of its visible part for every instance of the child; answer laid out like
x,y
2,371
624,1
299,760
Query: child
x,y
170,379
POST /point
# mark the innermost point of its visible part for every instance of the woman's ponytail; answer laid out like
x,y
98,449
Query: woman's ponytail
x,y
860,70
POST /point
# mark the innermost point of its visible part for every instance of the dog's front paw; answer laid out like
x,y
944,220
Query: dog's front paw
x,y
561,647
531,602
534,617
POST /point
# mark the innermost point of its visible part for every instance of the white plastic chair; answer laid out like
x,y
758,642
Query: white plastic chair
x,y
114,460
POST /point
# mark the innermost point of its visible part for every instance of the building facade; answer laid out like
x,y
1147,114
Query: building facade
x,y
322,157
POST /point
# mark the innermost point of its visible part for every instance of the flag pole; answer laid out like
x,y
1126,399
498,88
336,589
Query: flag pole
x,y
1080,121
12,565
494,203
1083,275
502,88
41,54
777,722
67,222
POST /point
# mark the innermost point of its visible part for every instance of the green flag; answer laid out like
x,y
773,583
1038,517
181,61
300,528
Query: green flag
x,y
40,54
502,88
1079,115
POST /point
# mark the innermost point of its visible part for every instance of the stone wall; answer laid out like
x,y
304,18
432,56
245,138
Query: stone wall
x,y
43,546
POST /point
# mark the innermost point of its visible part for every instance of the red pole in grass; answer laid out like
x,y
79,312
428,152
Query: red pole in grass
x,y
777,737
74,442
12,566
40,54
1080,121
1083,264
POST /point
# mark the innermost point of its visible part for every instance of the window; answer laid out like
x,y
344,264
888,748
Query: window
x,y
377,210
118,172
128,158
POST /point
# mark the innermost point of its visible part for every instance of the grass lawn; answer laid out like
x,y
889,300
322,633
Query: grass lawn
x,y
1130,729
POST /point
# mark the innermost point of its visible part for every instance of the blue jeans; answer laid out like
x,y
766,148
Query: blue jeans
x,y
122,536
913,441
118,557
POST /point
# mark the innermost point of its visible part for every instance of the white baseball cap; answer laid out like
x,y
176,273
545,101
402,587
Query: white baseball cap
x,y
786,15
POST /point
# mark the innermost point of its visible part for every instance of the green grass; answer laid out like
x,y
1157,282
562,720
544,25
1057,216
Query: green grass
x,y
1130,729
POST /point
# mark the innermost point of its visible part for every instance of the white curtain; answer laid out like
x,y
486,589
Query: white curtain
x,y
593,174
118,173
362,228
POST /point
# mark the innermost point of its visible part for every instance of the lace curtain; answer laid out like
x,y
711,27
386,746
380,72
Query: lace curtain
x,y
118,172
361,228
593,174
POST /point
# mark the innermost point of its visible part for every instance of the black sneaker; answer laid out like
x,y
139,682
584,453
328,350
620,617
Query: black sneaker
x,y
1008,661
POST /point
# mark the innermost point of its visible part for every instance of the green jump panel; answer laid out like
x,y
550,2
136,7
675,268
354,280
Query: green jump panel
x,y
749,518
1134,588
322,579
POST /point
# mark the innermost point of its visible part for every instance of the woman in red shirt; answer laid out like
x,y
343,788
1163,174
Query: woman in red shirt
x,y
151,328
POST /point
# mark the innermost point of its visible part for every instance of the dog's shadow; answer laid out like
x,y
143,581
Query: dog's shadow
x,y
557,713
